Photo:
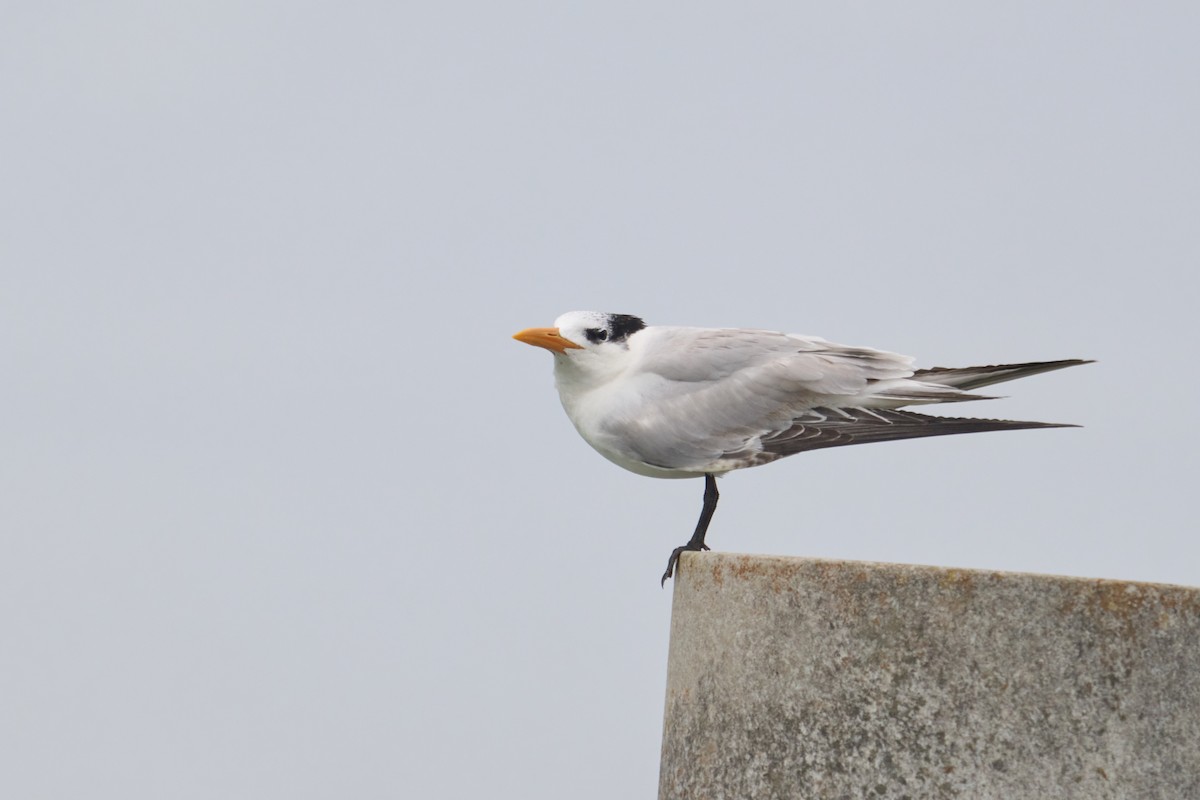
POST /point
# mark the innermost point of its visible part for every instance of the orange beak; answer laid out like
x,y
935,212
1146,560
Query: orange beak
x,y
548,338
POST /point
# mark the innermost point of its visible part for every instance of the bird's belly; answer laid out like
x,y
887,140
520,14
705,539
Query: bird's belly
x,y
632,426
622,445
641,467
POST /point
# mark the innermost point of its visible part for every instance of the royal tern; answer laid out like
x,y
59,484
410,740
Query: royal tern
x,y
672,402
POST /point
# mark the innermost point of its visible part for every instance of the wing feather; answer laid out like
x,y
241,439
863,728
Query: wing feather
x,y
974,377
694,394
841,427
711,400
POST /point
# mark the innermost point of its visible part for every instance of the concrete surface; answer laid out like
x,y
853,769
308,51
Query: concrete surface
x,y
796,678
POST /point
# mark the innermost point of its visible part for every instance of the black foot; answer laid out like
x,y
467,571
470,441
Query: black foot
x,y
673,561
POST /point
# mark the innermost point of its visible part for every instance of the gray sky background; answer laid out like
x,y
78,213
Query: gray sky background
x,y
284,512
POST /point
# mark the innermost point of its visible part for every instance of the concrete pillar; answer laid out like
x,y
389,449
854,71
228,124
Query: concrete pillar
x,y
795,678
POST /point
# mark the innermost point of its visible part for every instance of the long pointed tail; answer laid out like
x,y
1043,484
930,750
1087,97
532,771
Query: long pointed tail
x,y
967,378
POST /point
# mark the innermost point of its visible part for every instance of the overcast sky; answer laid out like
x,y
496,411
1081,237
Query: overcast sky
x,y
284,512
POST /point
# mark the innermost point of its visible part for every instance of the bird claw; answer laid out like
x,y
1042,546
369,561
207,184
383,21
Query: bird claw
x,y
673,561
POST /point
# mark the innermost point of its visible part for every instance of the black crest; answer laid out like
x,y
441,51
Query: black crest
x,y
623,325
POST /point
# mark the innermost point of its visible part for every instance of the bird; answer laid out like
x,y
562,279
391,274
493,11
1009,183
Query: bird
x,y
687,402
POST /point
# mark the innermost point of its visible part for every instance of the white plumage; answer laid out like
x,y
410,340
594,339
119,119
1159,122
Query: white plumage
x,y
672,402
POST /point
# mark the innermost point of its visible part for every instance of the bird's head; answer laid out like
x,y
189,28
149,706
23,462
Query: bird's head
x,y
579,334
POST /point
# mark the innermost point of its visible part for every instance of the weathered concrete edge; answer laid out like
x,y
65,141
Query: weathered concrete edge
x,y
696,561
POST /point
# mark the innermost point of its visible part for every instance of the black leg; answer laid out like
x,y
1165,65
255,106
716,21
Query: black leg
x,y
696,543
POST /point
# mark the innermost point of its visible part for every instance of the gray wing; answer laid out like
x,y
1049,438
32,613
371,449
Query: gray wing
x,y
705,355
694,395
711,400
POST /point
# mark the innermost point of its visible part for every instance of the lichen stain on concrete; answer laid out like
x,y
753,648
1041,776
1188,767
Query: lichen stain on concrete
x,y
718,574
781,574
1137,608
956,577
1124,600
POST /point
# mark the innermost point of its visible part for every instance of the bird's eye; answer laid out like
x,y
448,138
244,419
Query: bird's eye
x,y
596,334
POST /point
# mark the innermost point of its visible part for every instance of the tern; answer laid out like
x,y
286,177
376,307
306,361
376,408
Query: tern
x,y
676,402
